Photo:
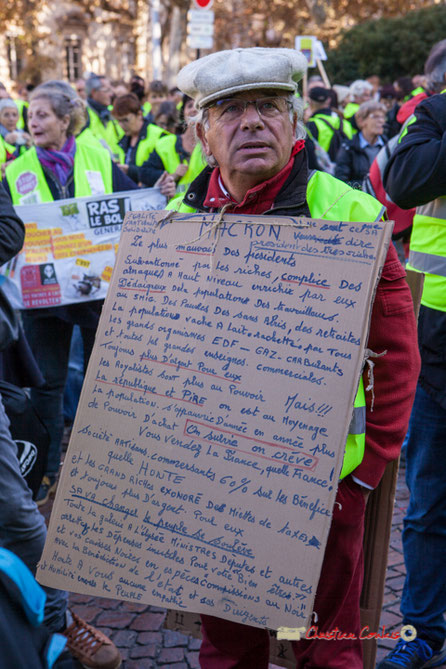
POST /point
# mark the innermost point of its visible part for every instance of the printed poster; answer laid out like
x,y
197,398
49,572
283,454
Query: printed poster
x,y
70,248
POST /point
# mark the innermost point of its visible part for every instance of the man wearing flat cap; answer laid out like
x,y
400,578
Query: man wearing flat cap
x,y
249,125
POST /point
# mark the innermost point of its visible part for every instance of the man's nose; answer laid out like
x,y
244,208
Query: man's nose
x,y
251,117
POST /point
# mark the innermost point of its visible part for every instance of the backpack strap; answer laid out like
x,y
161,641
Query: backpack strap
x,y
32,597
341,125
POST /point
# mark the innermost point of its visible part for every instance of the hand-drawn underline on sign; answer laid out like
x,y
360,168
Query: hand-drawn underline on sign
x,y
145,390
298,459
203,252
273,255
147,290
236,548
196,371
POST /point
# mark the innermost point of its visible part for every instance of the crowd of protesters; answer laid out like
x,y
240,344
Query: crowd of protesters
x,y
138,136
145,127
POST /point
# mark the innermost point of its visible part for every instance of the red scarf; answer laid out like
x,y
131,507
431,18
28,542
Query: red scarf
x,y
258,199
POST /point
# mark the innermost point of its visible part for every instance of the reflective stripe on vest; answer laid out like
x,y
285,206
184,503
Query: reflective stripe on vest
x,y
332,200
355,444
28,185
428,235
428,249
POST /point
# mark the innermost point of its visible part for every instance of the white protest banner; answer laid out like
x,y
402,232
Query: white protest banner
x,y
70,248
319,51
205,454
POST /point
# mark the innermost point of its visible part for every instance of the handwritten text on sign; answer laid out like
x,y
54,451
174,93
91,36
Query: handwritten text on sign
x,y
205,455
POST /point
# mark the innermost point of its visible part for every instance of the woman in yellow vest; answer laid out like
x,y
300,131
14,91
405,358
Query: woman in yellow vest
x,y
178,155
140,135
58,167
13,141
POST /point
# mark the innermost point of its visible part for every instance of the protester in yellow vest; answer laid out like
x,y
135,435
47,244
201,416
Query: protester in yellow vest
x,y
178,155
248,122
415,177
57,167
13,141
157,93
325,126
140,136
99,96
167,116
85,135
359,91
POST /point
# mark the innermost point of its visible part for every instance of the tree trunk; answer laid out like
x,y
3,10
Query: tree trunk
x,y
237,28
177,36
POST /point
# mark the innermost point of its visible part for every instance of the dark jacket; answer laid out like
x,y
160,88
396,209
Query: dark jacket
x,y
136,172
12,230
392,126
416,171
352,163
153,168
17,364
415,175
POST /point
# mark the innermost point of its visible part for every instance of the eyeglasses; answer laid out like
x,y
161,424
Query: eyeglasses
x,y
381,117
232,109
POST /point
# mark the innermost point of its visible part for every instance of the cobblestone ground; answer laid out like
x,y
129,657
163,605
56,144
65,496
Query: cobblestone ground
x,y
138,630
391,616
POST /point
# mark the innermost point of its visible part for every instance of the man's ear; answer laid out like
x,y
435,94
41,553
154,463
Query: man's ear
x,y
201,134
295,120
359,121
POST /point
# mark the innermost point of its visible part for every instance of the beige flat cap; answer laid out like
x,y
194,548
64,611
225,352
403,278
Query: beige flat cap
x,y
225,73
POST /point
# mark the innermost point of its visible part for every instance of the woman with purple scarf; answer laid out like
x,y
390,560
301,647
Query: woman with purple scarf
x,y
58,167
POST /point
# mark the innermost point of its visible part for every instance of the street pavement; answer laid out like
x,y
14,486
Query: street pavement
x,y
138,630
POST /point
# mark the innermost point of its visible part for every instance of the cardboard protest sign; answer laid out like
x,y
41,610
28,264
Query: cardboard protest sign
x,y
205,454
70,248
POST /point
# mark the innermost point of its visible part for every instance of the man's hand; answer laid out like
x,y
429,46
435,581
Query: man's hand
x,y
180,171
28,140
166,184
124,168
11,137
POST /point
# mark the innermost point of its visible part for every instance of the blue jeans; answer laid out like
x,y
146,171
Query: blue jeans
x,y
22,526
75,376
50,337
424,535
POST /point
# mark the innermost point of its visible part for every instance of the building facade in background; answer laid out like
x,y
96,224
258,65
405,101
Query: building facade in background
x,y
68,41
